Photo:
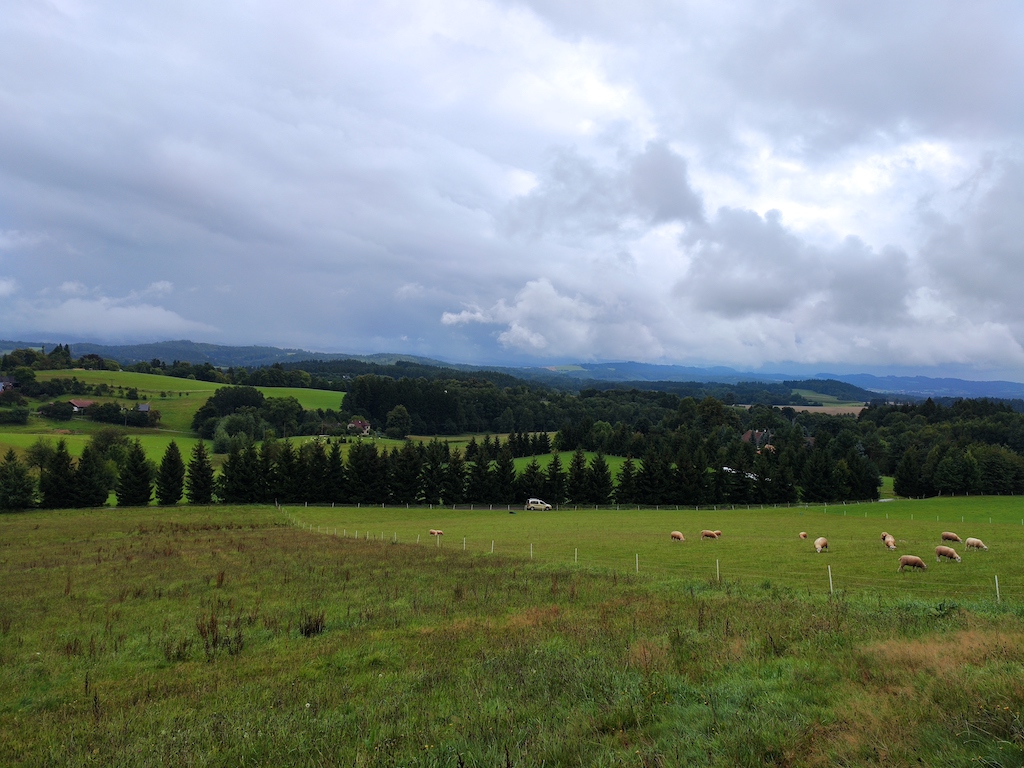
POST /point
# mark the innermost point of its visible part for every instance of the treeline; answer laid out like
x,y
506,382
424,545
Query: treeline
x,y
435,473
969,446
49,477
241,414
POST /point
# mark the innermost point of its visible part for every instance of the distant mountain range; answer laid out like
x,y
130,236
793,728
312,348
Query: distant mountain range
x,y
580,375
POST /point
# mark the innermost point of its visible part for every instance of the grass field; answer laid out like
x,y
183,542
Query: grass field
x,y
235,636
829,400
179,399
758,545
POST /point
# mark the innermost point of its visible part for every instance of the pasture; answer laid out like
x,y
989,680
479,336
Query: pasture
x,y
758,546
243,635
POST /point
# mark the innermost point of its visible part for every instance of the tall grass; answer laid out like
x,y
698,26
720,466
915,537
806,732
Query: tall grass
x,y
230,635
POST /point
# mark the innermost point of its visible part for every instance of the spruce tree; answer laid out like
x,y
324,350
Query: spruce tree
x,y
337,481
578,485
531,482
238,480
405,474
435,459
505,476
57,480
199,477
135,481
554,482
480,484
170,479
91,486
315,486
17,490
599,480
626,492
453,488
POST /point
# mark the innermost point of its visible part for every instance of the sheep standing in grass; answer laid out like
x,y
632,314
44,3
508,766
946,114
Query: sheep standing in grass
x,y
803,534
947,552
889,540
677,536
434,532
708,535
973,543
911,561
949,536
820,543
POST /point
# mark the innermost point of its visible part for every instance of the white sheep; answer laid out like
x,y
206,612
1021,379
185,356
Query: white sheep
x,y
435,532
677,536
973,543
911,561
820,543
889,540
947,552
949,536
803,534
708,535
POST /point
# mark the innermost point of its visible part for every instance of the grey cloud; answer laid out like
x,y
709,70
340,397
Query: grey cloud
x,y
345,176
745,265
978,259
577,196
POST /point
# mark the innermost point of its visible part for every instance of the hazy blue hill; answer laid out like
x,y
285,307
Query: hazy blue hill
x,y
567,377
224,356
924,386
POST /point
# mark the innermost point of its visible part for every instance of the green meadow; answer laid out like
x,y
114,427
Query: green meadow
x,y
758,545
256,636
176,399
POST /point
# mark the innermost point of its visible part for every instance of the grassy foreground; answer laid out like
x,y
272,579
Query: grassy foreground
x,y
233,636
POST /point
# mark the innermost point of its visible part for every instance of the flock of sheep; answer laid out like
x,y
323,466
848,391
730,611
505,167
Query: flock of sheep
x,y
906,561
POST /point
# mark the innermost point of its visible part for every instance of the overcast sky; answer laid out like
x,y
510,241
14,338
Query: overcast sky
x,y
798,185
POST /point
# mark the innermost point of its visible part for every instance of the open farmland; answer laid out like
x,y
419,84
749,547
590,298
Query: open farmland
x,y
757,545
193,636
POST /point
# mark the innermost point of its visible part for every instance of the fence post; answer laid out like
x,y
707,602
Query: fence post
x,y
638,562
830,579
718,572
998,599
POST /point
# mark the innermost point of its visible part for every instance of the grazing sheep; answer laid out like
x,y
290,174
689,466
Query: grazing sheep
x,y
434,532
677,536
889,540
973,543
820,543
948,552
708,535
947,536
911,561
803,534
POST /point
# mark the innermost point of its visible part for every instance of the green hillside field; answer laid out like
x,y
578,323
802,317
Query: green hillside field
x,y
255,635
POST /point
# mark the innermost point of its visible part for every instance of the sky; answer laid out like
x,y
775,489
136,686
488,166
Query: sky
x,y
798,186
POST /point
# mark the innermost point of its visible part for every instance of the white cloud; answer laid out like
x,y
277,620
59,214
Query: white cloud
x,y
72,288
8,287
